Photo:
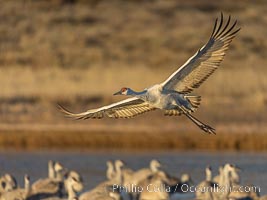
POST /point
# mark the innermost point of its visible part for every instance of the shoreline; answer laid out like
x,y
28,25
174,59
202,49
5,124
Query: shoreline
x,y
139,140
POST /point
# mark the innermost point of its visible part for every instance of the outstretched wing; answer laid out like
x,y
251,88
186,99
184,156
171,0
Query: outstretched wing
x,y
201,65
124,109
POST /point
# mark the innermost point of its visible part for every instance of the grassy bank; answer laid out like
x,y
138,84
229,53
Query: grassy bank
x,y
109,140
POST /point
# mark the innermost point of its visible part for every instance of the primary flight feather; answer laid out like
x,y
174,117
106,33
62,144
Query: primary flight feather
x,y
173,94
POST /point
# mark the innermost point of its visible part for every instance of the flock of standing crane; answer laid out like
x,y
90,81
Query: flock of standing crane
x,y
123,183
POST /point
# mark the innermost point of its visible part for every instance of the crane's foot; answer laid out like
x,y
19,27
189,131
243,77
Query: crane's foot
x,y
207,129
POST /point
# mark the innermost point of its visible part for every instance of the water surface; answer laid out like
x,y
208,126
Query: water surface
x,y
92,165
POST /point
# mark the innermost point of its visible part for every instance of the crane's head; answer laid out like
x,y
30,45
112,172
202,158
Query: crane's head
x,y
123,91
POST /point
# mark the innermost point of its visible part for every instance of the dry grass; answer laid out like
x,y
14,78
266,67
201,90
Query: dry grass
x,y
80,52
90,140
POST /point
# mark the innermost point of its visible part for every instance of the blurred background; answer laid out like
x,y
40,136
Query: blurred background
x,y
78,53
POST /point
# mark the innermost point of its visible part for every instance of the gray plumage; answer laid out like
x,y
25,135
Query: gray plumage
x,y
8,183
18,193
172,95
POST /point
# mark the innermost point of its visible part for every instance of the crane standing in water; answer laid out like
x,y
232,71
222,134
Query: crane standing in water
x,y
172,95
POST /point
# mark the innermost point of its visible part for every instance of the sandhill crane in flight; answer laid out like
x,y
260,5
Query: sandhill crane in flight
x,y
173,95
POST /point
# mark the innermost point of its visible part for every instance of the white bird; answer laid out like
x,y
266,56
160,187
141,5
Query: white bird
x,y
74,180
134,178
70,188
202,192
60,171
225,182
216,178
178,190
251,191
120,172
19,193
50,186
234,178
110,173
101,192
155,165
172,95
104,190
153,187
8,183
51,170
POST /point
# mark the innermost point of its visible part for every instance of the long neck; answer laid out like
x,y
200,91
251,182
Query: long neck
x,y
2,189
226,182
221,177
71,194
136,94
114,195
59,175
154,168
70,191
27,188
51,172
208,175
110,171
235,179
118,177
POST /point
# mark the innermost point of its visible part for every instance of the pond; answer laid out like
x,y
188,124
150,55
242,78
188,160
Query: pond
x,y
92,165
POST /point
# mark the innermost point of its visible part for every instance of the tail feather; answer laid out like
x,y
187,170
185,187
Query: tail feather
x,y
194,100
172,112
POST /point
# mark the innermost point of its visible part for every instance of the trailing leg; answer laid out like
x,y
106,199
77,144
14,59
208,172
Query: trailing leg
x,y
200,124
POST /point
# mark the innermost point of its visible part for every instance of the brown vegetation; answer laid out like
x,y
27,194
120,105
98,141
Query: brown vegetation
x,y
116,140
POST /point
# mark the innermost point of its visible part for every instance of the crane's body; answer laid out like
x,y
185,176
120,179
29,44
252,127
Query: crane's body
x,y
162,99
173,95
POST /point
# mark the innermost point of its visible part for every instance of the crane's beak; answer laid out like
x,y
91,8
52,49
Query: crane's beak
x,y
117,93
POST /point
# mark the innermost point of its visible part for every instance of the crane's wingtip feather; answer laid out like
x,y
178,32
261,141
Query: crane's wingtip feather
x,y
63,109
66,112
